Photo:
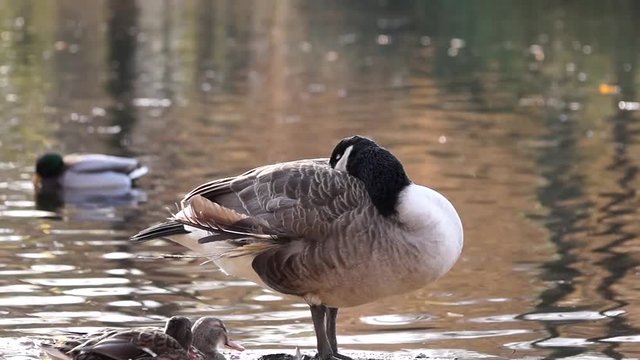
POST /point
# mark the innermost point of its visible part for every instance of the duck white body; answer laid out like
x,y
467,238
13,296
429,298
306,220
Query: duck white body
x,y
88,172
98,171
338,232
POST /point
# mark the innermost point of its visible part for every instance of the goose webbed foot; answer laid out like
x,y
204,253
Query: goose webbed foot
x,y
341,357
332,357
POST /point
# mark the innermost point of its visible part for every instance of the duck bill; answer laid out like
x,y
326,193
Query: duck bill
x,y
233,345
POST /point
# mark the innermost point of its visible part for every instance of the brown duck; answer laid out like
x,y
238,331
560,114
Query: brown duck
x,y
172,343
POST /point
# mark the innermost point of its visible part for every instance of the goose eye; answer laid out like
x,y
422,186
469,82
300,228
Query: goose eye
x,y
338,156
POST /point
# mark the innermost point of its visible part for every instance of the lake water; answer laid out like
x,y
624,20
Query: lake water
x,y
524,114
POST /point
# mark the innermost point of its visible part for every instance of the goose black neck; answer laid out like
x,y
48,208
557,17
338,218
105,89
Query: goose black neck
x,y
383,176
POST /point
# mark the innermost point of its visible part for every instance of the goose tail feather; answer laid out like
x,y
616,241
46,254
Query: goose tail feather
x,y
162,230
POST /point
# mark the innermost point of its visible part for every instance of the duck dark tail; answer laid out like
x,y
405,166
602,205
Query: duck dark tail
x,y
159,231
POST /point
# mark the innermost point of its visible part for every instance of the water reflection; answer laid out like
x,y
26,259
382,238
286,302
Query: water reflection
x,y
92,201
498,105
122,43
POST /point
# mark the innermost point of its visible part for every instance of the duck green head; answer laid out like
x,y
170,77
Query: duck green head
x,y
49,165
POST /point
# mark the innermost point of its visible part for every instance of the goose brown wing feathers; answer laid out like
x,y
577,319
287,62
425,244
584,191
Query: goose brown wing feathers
x,y
295,200
286,216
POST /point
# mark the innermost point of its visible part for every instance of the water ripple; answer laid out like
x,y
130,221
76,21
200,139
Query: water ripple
x,y
395,319
564,316
29,214
118,256
21,321
11,238
85,232
622,339
18,288
38,269
267,297
564,342
102,291
40,300
63,282
496,318
282,315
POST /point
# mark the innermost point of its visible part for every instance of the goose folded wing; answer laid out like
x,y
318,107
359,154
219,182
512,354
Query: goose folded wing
x,y
281,202
282,215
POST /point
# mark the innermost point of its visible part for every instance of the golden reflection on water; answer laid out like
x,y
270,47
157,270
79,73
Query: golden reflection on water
x,y
503,117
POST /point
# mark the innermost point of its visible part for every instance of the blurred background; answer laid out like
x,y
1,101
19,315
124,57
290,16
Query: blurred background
x,y
523,113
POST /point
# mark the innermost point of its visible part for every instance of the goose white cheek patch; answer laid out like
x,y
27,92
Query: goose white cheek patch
x,y
342,163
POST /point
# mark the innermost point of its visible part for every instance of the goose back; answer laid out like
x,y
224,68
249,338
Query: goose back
x,y
306,229
287,201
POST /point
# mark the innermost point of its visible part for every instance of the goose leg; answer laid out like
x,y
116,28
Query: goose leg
x,y
318,313
332,314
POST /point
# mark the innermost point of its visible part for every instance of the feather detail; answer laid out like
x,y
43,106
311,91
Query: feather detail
x,y
210,216
205,188
253,248
207,212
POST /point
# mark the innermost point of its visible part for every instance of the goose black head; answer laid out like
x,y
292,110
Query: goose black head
x,y
347,149
49,165
382,173
179,328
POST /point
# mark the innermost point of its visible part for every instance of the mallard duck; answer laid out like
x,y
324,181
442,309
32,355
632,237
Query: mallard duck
x,y
86,172
139,343
178,341
336,232
208,334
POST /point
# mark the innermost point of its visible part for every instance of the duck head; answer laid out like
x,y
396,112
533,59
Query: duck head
x,y
50,165
209,333
179,328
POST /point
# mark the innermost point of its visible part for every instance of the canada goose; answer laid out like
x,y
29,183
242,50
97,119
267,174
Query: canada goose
x,y
337,232
86,172
178,341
